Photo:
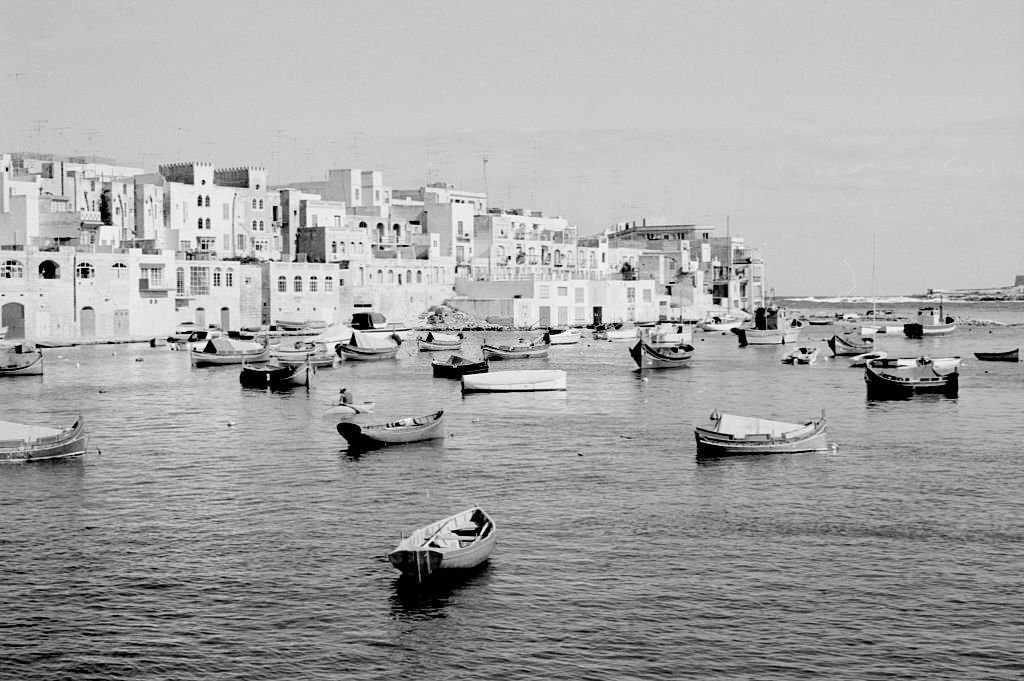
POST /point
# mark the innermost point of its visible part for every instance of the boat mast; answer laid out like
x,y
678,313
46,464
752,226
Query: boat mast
x,y
874,281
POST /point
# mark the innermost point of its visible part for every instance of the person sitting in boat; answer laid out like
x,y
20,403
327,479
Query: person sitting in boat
x,y
344,396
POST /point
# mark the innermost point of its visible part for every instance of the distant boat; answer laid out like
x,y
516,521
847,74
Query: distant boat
x,y
271,375
459,542
897,378
863,359
23,359
309,325
23,443
732,435
365,347
564,336
1007,356
770,326
529,380
439,341
930,321
720,323
803,355
667,334
369,321
3,332
403,431
849,346
615,331
220,351
522,349
318,354
648,356
457,366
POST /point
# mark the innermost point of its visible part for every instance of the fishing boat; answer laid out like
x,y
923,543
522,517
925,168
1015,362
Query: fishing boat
x,y
309,326
1006,356
896,378
220,351
369,321
459,542
739,435
941,364
667,334
368,347
22,443
850,345
930,321
272,375
770,326
649,356
803,355
439,341
720,323
564,336
23,359
529,380
457,366
522,349
403,431
615,331
863,359
316,353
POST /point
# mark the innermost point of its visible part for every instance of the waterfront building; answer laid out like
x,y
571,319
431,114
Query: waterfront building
x,y
516,244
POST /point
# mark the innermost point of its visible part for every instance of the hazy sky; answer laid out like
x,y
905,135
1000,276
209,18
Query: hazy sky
x,y
817,127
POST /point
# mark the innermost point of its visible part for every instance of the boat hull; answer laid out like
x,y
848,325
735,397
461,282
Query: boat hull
x,y
204,359
915,330
768,336
887,379
69,443
405,431
358,354
460,542
813,438
650,357
537,380
845,347
509,352
1008,356
21,364
453,369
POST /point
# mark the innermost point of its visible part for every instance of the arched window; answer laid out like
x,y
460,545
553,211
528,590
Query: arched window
x,y
199,223
85,270
229,278
499,254
261,225
282,284
120,270
216,276
419,276
328,284
408,276
207,202
391,276
380,276
254,225
261,204
362,225
12,269
208,223
312,284
254,204
334,247
199,201
342,247
48,269
297,283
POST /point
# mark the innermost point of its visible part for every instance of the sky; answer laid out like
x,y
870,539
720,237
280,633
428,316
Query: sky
x,y
865,147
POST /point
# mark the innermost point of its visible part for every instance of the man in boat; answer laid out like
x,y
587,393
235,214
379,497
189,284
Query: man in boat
x,y
344,396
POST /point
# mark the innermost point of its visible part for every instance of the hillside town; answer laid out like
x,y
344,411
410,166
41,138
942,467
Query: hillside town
x,y
101,251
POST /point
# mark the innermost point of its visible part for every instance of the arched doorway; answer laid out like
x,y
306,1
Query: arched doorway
x,y
87,322
201,317
48,269
225,319
12,317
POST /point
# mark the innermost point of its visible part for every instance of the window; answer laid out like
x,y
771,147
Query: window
x,y
544,291
229,278
85,270
419,276
282,284
391,276
579,293
199,280
334,247
199,201
154,276
312,284
343,247
120,270
207,202
631,294
254,225
226,212
261,204
337,221
328,284
179,285
562,291
48,269
208,223
254,204
12,269
199,223
206,243
241,242
261,225
297,283
216,277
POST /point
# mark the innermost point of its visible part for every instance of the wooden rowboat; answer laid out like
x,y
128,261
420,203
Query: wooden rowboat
x,y
899,378
221,351
847,346
403,431
365,347
1007,356
24,359
21,443
530,380
457,366
648,356
523,349
732,435
459,542
439,341
275,375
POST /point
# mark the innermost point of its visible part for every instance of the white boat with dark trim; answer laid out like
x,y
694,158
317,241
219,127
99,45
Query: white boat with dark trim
x,y
365,347
564,336
23,443
459,542
526,380
23,359
770,326
732,435
930,321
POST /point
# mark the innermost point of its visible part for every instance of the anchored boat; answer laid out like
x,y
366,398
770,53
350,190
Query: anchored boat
x,y
403,431
459,542
732,435
22,443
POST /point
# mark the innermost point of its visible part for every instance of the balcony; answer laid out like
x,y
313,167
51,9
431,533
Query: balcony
x,y
148,290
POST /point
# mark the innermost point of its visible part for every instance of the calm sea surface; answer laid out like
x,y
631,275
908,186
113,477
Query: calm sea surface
x,y
225,533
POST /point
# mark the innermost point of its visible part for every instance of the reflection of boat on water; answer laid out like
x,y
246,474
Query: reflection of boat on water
x,y
732,435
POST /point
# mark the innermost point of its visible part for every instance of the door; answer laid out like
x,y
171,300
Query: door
x,y
225,319
544,312
201,318
87,322
12,316
121,326
597,315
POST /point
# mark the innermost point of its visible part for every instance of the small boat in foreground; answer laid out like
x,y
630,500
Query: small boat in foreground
x,y
905,377
457,366
403,431
22,443
528,380
523,349
732,435
439,341
801,356
849,346
459,542
863,359
1007,356
649,356
24,359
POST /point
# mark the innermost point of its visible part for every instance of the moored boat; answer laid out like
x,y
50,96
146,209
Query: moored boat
x,y
364,347
930,321
1006,356
23,359
369,321
272,375
459,542
318,354
901,377
803,355
528,380
720,323
522,349
770,326
564,336
615,331
403,431
457,366
649,356
861,360
439,341
220,351
667,334
732,435
350,409
850,345
22,443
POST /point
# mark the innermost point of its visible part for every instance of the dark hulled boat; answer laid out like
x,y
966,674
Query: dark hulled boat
x,y
1007,356
457,366
899,378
